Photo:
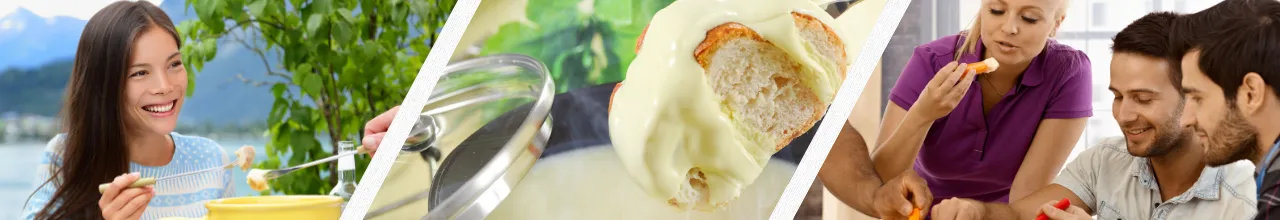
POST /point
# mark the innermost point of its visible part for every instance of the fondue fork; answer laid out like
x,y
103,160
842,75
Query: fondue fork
x,y
272,174
147,181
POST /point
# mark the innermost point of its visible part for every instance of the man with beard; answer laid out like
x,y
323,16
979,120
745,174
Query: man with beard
x,y
1229,56
1156,171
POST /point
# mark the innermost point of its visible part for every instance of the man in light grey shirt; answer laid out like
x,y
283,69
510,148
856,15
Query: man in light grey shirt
x,y
1155,171
1114,184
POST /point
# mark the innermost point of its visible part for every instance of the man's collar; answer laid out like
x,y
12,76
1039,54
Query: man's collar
x,y
1263,166
1206,187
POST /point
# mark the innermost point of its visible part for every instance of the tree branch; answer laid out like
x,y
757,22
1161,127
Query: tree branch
x,y
263,57
333,112
254,83
251,21
373,24
368,94
264,38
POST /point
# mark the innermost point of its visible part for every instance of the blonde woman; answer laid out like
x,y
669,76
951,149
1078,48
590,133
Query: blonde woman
x,y
996,136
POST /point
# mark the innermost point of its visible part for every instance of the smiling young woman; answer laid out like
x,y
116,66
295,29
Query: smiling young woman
x,y
122,103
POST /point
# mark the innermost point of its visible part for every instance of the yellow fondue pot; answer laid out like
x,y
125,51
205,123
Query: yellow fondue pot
x,y
308,207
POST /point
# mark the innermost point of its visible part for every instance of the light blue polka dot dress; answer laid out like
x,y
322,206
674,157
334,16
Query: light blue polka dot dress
x,y
178,197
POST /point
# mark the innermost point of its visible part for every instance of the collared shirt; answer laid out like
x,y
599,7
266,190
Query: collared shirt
x,y
975,155
1269,200
1118,185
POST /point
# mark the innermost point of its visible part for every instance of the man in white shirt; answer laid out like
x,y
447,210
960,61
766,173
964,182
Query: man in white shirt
x,y
1156,171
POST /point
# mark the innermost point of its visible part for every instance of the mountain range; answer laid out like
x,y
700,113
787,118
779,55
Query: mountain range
x,y
41,49
30,40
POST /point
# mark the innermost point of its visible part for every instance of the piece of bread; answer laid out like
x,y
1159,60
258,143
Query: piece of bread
x,y
244,157
740,63
760,86
257,180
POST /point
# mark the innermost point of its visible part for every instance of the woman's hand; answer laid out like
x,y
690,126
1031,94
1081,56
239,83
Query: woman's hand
x,y
958,209
1072,212
120,202
943,92
899,196
376,128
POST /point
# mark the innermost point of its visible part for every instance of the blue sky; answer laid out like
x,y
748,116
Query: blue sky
x,y
81,9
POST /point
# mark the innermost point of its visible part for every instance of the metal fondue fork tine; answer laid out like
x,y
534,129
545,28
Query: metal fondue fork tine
x,y
828,6
832,2
272,174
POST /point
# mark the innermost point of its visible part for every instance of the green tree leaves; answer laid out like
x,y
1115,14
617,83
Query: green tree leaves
x,y
338,64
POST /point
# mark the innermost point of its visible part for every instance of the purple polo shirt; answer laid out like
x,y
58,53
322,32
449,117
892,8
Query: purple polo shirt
x,y
969,155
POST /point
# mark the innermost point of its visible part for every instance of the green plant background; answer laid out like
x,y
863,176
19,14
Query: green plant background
x,y
562,38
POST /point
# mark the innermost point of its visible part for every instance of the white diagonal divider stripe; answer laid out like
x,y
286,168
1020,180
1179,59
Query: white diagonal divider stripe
x,y
838,113
413,103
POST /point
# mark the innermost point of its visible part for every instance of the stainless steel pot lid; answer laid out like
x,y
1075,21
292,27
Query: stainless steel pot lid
x,y
470,157
510,151
493,108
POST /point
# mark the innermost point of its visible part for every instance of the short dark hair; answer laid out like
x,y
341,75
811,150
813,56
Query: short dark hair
x,y
1148,36
1234,37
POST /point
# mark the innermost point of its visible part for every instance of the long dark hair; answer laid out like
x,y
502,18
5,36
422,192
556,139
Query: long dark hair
x,y
93,116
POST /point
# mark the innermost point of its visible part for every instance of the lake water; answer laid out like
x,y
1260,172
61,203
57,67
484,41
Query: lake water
x,y
17,184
